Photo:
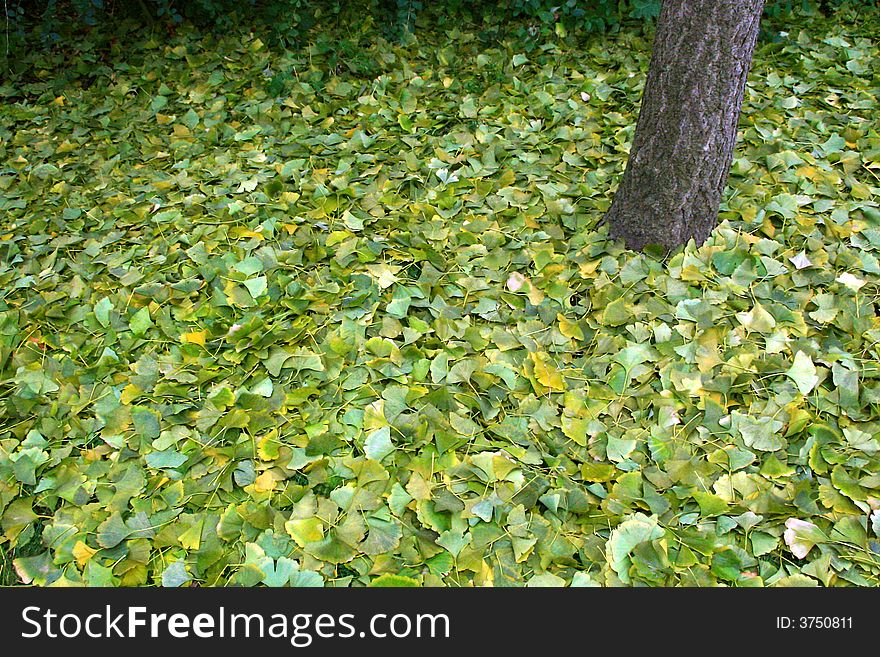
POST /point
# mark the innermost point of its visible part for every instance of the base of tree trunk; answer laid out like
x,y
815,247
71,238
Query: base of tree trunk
x,y
640,226
685,136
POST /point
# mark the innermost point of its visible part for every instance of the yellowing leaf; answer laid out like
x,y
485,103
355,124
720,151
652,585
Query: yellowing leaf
x,y
597,471
129,393
757,319
82,553
191,539
305,530
264,483
569,329
194,337
545,371
240,232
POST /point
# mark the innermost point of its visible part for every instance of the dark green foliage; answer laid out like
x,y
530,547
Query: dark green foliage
x,y
284,21
287,21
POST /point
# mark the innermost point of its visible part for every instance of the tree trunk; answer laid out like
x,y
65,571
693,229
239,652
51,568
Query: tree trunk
x,y
684,139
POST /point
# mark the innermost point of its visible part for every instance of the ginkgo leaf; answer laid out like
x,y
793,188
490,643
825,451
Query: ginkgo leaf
x,y
852,282
800,261
546,372
625,537
803,373
194,337
515,281
802,536
757,319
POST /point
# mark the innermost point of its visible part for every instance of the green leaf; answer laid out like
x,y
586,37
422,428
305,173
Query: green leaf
x,y
256,286
140,322
165,459
636,529
146,422
175,575
305,530
545,580
384,536
341,330
112,531
331,550
37,570
616,313
378,444
454,541
397,581
710,505
18,515
762,433
102,311
803,373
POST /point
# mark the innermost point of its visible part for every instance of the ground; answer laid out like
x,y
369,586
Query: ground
x,y
314,318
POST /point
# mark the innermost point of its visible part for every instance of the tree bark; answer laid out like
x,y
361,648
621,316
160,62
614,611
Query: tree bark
x,y
685,136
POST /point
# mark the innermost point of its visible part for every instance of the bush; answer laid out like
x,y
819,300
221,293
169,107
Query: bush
x,y
50,21
286,21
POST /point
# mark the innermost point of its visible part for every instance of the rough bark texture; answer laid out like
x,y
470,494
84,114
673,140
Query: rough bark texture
x,y
684,139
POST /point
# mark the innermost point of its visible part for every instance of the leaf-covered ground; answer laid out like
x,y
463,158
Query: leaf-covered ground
x,y
267,321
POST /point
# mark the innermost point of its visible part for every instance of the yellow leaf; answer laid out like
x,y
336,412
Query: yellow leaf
x,y
82,553
691,273
507,178
748,213
860,191
129,393
589,268
240,231
304,530
806,172
576,429
597,471
757,319
768,228
191,539
195,337
269,446
545,372
535,295
264,483
569,329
